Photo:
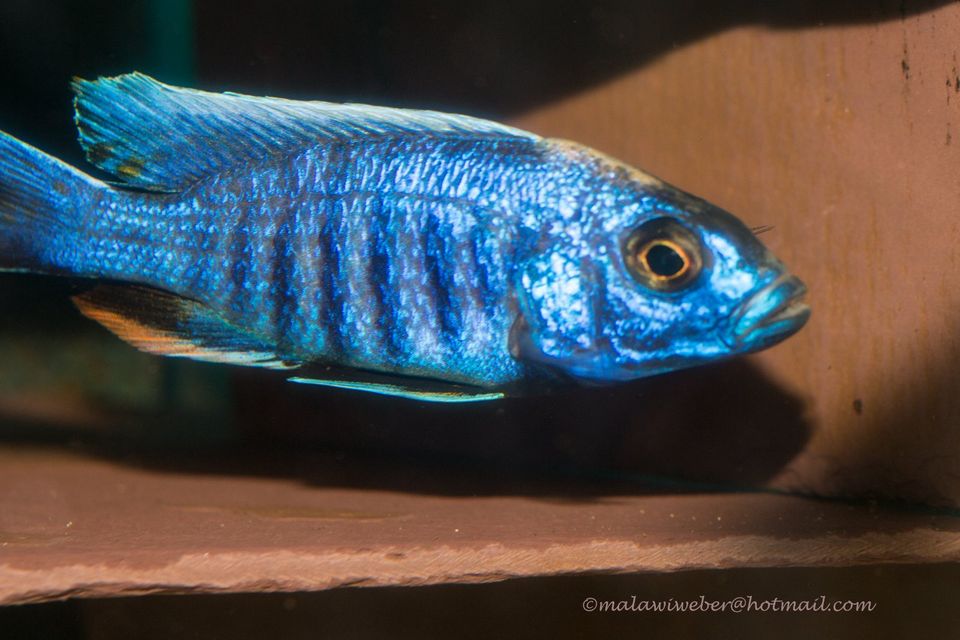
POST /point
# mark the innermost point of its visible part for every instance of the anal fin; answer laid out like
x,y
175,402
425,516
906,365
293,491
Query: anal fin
x,y
411,389
163,323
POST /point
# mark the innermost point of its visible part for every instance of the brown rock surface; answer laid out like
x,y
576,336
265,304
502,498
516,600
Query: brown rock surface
x,y
76,525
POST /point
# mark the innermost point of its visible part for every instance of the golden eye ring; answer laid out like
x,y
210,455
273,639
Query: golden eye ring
x,y
668,262
663,255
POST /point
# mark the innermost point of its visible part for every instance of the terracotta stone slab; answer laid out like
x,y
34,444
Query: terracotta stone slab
x,y
80,525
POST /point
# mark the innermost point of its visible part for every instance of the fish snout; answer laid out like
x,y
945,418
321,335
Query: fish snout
x,y
773,313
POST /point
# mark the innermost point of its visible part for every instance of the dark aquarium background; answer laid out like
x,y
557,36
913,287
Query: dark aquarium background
x,y
66,382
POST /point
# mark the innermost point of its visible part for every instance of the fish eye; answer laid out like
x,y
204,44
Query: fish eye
x,y
663,255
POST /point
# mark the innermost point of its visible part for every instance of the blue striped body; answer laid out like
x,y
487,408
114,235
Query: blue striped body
x,y
394,256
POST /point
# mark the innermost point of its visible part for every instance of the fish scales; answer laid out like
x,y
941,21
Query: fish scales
x,y
359,322
367,190
329,261
402,251
283,279
412,231
365,184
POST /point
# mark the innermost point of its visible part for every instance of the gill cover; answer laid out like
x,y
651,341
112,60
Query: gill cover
x,y
558,323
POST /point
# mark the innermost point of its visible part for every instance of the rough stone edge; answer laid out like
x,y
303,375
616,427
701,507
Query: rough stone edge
x,y
284,570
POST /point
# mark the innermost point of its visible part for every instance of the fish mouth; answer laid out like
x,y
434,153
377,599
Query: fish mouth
x,y
772,314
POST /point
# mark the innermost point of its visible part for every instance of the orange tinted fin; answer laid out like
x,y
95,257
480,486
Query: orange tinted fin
x,y
166,324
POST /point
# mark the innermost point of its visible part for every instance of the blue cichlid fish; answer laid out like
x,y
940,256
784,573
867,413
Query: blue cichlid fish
x,y
409,253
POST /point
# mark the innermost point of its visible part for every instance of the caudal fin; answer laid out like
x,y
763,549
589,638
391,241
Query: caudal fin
x,y
39,201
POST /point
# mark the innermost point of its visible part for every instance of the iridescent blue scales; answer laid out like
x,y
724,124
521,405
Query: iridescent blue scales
x,y
411,253
341,256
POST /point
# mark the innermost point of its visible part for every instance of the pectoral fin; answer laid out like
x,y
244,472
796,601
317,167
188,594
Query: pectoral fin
x,y
166,324
412,391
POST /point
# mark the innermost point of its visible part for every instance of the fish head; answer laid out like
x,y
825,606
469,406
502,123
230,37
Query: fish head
x,y
659,280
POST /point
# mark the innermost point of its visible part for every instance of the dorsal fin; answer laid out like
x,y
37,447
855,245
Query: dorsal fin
x,y
165,324
159,137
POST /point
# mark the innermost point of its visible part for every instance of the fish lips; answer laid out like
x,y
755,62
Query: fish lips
x,y
772,314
